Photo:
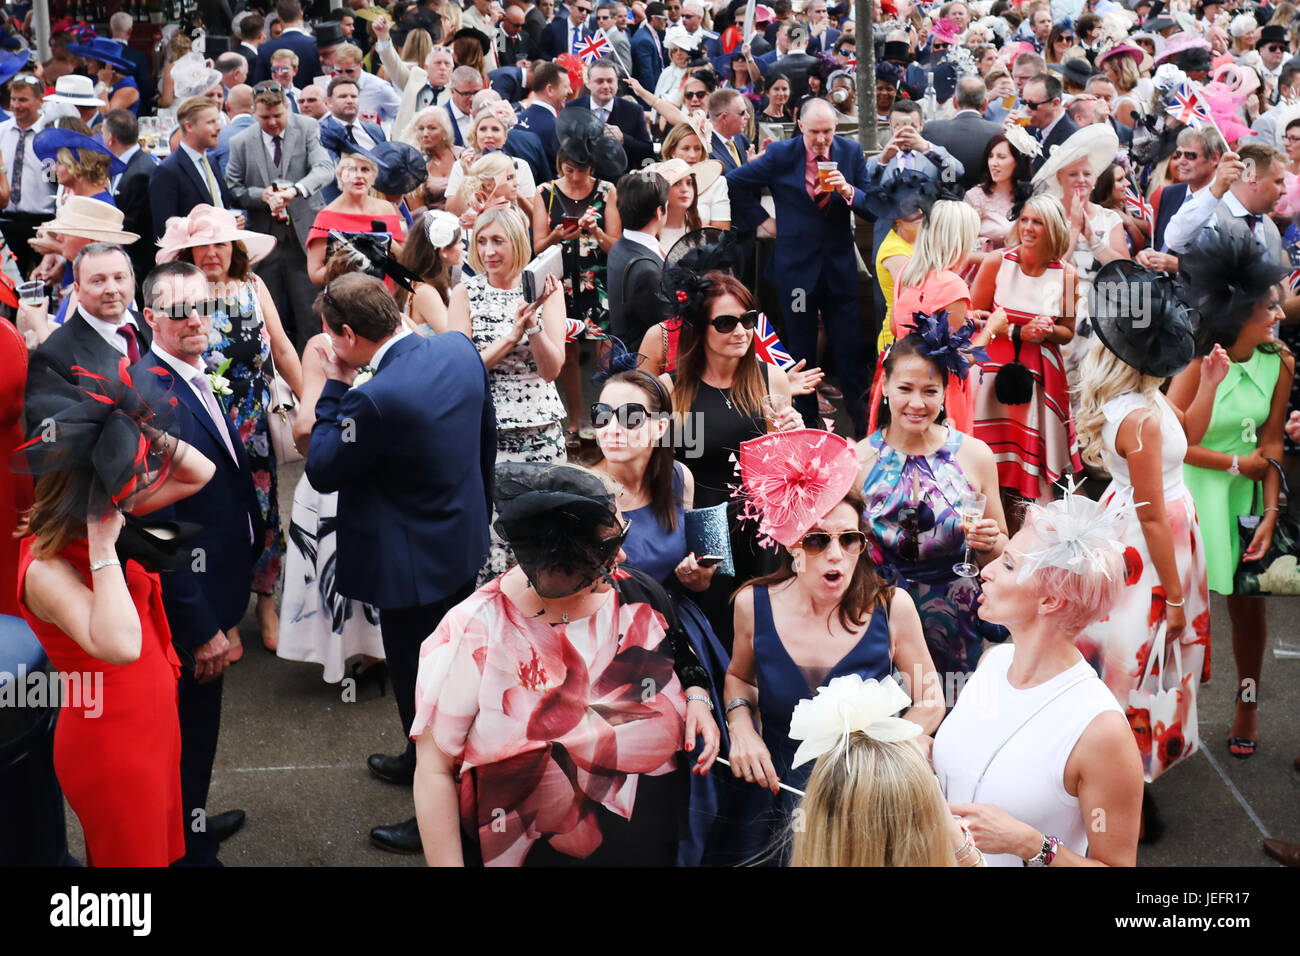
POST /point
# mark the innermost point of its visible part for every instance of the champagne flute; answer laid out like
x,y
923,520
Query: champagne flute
x,y
971,510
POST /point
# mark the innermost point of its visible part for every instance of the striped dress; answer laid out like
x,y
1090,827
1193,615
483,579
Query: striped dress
x,y
1034,444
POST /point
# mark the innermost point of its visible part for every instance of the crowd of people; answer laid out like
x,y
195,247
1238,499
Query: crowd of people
x,y
889,536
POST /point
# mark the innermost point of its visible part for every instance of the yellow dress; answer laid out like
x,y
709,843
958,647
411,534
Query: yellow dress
x,y
894,245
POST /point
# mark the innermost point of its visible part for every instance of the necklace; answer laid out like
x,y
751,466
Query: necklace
x,y
723,392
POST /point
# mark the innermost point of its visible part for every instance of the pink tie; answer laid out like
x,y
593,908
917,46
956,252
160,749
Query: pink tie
x,y
214,409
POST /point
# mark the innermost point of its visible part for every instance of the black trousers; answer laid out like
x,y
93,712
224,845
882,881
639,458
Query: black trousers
x,y
404,630
285,273
17,228
200,717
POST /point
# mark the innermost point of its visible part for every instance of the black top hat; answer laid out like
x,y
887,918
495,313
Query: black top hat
x,y
329,34
896,50
1273,33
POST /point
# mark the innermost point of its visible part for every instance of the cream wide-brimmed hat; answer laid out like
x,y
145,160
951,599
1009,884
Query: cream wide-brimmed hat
x,y
206,226
1098,144
674,170
88,218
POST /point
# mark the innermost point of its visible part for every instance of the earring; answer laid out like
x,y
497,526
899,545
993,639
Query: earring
x,y
884,400
796,564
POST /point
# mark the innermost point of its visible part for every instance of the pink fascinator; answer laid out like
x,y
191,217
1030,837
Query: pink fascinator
x,y
1224,103
205,226
503,112
791,479
945,30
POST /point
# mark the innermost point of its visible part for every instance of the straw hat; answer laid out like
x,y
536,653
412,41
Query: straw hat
x,y
1097,143
675,170
75,90
205,226
88,218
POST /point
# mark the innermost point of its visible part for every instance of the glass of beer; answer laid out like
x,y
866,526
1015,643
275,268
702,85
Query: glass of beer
x,y
773,406
824,171
32,293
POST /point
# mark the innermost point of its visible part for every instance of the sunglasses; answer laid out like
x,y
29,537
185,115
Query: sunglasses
x,y
695,94
728,323
1031,105
28,80
631,416
182,310
936,46
1186,154
1274,48
910,522
851,542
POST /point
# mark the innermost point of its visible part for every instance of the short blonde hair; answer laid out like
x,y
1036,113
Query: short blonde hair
x,y
1053,214
189,111
1086,596
85,165
285,54
411,137
359,159
483,171
347,53
946,239
516,231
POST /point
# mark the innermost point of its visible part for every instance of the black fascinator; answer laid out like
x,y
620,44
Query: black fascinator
x,y
1221,279
707,249
1137,315
686,289
584,142
908,191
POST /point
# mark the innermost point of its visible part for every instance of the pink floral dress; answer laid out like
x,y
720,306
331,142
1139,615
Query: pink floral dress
x,y
564,737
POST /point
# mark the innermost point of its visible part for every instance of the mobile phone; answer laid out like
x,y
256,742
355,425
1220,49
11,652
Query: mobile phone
x,y
709,560
568,221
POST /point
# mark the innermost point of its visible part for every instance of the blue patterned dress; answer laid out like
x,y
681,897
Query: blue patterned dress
x,y
239,334
913,505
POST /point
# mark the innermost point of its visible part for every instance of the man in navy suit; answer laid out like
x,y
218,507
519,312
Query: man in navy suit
x,y
813,262
729,145
520,143
559,34
188,176
624,116
206,598
1047,117
549,91
344,105
296,38
413,515
131,187
647,47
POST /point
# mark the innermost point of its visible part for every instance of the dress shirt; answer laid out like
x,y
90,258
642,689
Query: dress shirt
x,y
108,330
200,160
37,193
603,110
644,239
463,121
363,138
1046,131
378,96
269,142
1197,212
188,373
125,159
388,343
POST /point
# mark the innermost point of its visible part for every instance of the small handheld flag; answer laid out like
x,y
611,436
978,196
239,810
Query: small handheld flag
x,y
768,347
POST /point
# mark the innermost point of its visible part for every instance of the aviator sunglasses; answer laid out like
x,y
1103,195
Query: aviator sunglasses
x,y
851,542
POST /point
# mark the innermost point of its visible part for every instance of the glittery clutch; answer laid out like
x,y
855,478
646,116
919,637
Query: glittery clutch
x,y
708,532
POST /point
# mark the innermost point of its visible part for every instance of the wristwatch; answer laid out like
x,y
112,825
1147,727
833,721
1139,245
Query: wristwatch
x,y
534,329
1233,469
1046,853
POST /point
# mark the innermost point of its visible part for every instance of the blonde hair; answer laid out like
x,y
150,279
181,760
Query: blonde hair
x,y
286,54
947,238
85,165
1104,376
1125,73
417,46
411,135
512,221
1086,596
1053,215
675,137
450,11
870,803
347,53
471,138
360,159
483,172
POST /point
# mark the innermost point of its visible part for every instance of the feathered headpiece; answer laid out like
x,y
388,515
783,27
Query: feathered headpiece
x,y
1076,533
849,705
791,479
582,138
1221,278
686,289
948,349
1020,140
907,191
616,359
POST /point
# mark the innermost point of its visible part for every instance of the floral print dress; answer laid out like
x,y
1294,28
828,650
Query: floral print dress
x,y
585,297
241,343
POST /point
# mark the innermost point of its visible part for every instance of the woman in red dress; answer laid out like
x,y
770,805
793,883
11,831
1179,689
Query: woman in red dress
x,y
98,614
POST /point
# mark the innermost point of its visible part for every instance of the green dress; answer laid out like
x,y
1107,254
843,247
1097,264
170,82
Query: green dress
x,y
1241,406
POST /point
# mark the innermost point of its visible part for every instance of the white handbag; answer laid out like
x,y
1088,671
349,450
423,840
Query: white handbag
x,y
1162,711
281,415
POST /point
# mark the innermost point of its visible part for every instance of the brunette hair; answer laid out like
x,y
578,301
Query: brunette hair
x,y
660,473
1021,174
867,590
420,256
749,385
52,523
239,264
908,345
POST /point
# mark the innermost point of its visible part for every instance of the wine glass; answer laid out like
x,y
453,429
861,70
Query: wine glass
x,y
971,510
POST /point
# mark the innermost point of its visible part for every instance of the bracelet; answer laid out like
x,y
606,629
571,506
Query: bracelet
x,y
1176,603
1267,510
738,702
968,848
107,563
701,699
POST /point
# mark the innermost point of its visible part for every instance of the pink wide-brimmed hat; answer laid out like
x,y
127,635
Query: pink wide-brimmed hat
x,y
945,31
791,479
1180,43
1135,53
205,226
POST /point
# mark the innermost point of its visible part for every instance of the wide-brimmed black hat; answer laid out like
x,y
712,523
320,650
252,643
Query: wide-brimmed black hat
x,y
582,138
1195,59
1076,69
1222,277
1138,316
907,192
469,33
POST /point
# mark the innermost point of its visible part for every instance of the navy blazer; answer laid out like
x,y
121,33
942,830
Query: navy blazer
x,y
300,43
411,454
1167,202
647,57
540,121
521,144
629,118
176,187
555,38
719,151
810,242
211,592
1063,130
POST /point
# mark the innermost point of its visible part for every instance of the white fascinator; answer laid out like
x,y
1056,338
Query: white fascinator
x,y
1078,533
845,705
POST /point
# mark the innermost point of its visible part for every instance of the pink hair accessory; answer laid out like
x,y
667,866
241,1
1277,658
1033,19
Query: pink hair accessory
x,y
502,111
945,30
791,479
205,226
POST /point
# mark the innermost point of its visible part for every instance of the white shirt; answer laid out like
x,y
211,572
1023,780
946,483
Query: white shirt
x,y
198,159
644,239
1196,213
125,159
108,330
380,352
37,194
269,142
462,120
607,106
378,96
363,138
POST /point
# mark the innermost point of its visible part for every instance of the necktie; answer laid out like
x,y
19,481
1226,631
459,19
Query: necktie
x,y
352,137
1251,222
429,95
127,331
16,181
602,114
735,153
277,146
213,188
214,409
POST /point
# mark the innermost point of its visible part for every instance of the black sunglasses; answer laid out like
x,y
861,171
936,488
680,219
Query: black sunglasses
x,y
631,416
1186,154
727,323
851,542
1031,105
1275,48
695,95
182,310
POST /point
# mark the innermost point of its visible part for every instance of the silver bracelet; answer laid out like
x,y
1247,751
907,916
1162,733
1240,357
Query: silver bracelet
x,y
738,702
1176,604
701,699
108,563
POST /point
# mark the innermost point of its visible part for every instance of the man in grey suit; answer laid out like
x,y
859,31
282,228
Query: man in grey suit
x,y
276,171
967,134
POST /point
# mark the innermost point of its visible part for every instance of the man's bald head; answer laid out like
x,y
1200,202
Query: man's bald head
x,y
816,108
240,99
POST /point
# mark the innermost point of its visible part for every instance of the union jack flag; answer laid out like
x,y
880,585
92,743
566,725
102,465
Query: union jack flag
x,y
590,48
575,329
850,63
768,347
1188,108
1293,282
1136,204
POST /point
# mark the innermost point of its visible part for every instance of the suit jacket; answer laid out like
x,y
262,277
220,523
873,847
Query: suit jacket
x,y
413,519
629,118
1167,200
74,344
411,81
540,121
534,24
964,136
796,66
1063,130
637,302
811,243
232,129
718,150
211,592
1125,133
305,163
132,197
510,50
521,144
555,38
647,56
300,43
176,187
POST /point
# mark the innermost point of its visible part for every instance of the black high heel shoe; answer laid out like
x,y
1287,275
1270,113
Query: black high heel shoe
x,y
373,673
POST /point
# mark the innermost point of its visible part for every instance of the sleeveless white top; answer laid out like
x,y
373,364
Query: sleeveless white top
x,y
1173,442
1027,778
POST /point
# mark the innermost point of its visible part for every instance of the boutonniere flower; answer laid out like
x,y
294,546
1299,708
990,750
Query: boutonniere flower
x,y
364,374
217,379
